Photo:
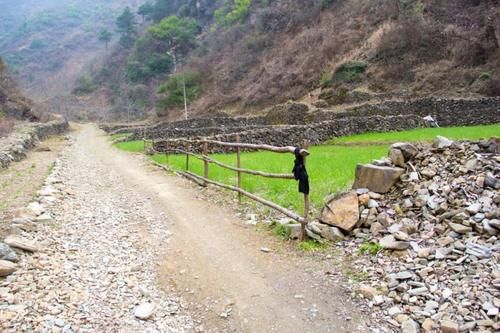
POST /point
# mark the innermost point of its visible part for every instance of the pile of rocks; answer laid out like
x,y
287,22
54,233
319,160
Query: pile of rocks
x,y
434,210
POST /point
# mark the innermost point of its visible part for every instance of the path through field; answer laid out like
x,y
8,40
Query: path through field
x,y
136,228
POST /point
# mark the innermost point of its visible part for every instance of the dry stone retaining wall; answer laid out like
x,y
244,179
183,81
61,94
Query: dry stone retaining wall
x,y
26,136
314,133
449,112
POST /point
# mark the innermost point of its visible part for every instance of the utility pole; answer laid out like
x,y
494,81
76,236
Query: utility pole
x,y
174,58
185,99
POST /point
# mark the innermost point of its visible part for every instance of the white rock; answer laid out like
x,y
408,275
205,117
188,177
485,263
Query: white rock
x,y
36,208
144,310
44,218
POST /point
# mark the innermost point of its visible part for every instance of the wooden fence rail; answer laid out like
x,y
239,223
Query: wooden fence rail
x,y
303,220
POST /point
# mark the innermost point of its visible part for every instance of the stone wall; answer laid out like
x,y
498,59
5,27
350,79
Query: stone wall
x,y
25,137
294,135
448,112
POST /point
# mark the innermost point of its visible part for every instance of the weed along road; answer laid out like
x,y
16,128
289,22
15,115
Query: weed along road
x,y
187,262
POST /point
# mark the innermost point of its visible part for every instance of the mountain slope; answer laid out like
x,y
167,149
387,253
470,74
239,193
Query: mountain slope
x,y
252,54
12,103
48,43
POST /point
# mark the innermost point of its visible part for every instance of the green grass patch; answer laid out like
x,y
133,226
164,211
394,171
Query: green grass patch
x,y
370,248
282,231
311,245
421,134
131,146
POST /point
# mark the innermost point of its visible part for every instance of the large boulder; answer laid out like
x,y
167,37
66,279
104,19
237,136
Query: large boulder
x,y
343,212
377,179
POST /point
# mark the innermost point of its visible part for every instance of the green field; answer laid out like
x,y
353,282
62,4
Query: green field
x,y
421,134
331,167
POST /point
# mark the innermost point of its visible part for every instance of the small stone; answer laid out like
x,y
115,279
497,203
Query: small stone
x,y
394,311
378,299
474,208
424,252
144,311
35,208
7,253
409,150
410,326
7,267
265,249
390,243
428,325
448,326
59,323
396,157
447,293
493,312
405,275
21,243
44,218
428,172
459,228
442,142
470,165
368,292
364,199
418,291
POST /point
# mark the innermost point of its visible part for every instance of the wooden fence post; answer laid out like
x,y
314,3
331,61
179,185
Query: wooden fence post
x,y
205,154
166,152
306,203
186,147
238,165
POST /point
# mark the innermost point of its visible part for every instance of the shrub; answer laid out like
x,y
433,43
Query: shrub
x,y
350,72
84,85
232,12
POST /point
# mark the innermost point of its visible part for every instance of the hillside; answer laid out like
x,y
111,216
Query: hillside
x,y
13,105
243,56
47,44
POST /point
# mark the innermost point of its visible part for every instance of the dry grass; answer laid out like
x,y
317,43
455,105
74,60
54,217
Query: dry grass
x,y
6,126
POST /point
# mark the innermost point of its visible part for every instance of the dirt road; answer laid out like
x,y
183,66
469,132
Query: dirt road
x,y
200,251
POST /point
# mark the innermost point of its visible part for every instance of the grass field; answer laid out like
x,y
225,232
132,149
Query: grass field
x,y
421,134
331,167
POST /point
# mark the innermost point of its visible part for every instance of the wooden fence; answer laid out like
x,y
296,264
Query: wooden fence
x,y
238,146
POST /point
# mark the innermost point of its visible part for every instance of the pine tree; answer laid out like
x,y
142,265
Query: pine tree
x,y
126,26
105,37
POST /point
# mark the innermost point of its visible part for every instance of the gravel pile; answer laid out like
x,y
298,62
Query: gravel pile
x,y
438,228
